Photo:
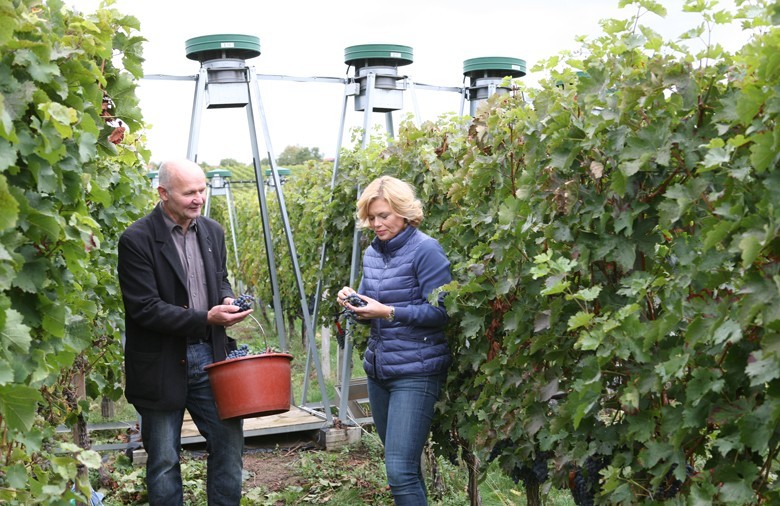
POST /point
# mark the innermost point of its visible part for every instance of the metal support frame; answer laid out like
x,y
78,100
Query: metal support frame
x,y
231,219
254,100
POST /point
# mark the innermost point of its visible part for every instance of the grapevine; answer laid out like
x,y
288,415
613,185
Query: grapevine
x,y
629,216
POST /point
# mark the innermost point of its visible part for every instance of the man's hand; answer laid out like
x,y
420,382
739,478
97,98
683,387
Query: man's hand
x,y
226,315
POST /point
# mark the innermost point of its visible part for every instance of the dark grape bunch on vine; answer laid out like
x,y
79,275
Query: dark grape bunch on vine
x,y
584,481
531,473
671,485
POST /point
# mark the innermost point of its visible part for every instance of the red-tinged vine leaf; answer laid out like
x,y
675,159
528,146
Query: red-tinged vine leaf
x,y
117,135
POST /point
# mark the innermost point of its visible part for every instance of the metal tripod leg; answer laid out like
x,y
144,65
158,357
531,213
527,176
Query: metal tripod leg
x,y
231,209
254,97
346,370
268,240
233,234
197,114
323,249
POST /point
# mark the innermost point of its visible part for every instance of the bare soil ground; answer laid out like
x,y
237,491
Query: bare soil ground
x,y
277,469
274,471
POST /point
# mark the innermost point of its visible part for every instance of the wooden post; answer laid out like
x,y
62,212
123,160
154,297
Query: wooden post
x,y
79,431
107,408
325,354
339,359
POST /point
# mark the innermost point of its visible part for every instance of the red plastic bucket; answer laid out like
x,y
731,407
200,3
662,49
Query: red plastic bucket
x,y
254,385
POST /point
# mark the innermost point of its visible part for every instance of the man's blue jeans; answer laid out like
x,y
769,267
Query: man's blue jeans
x,y
161,433
402,409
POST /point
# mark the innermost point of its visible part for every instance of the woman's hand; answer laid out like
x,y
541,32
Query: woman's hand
x,y
343,294
372,309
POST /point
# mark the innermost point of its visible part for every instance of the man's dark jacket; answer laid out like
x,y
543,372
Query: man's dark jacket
x,y
158,319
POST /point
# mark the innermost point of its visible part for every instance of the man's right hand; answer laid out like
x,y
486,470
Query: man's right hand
x,y
226,315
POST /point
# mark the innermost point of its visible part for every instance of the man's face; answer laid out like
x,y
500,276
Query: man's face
x,y
185,195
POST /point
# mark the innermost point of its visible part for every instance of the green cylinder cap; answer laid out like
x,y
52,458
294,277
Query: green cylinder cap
x,y
279,170
366,55
221,46
494,66
218,172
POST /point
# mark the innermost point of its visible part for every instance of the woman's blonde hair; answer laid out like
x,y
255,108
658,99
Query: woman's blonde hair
x,y
399,195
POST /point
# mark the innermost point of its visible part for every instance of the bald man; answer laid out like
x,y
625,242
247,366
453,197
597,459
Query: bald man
x,y
178,304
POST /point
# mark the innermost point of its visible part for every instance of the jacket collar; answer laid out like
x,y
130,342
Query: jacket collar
x,y
391,246
162,235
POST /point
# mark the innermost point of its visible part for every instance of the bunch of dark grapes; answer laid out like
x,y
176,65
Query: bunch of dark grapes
x,y
671,485
539,467
356,301
241,351
244,302
536,472
348,314
341,335
585,483
446,443
498,449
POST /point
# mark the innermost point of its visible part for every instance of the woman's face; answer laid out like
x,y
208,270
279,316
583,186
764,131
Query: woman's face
x,y
385,223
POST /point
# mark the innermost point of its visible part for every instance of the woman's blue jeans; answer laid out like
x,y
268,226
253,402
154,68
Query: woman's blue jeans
x,y
402,409
161,434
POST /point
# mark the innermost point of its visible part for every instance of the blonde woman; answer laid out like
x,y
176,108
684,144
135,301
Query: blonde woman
x,y
407,357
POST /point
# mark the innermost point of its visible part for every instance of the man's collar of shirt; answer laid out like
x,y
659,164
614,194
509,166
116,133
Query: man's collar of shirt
x,y
172,225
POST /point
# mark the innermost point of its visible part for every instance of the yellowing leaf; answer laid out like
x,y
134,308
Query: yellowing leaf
x,y
579,320
751,247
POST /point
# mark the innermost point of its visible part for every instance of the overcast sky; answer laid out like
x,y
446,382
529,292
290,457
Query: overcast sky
x,y
307,38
